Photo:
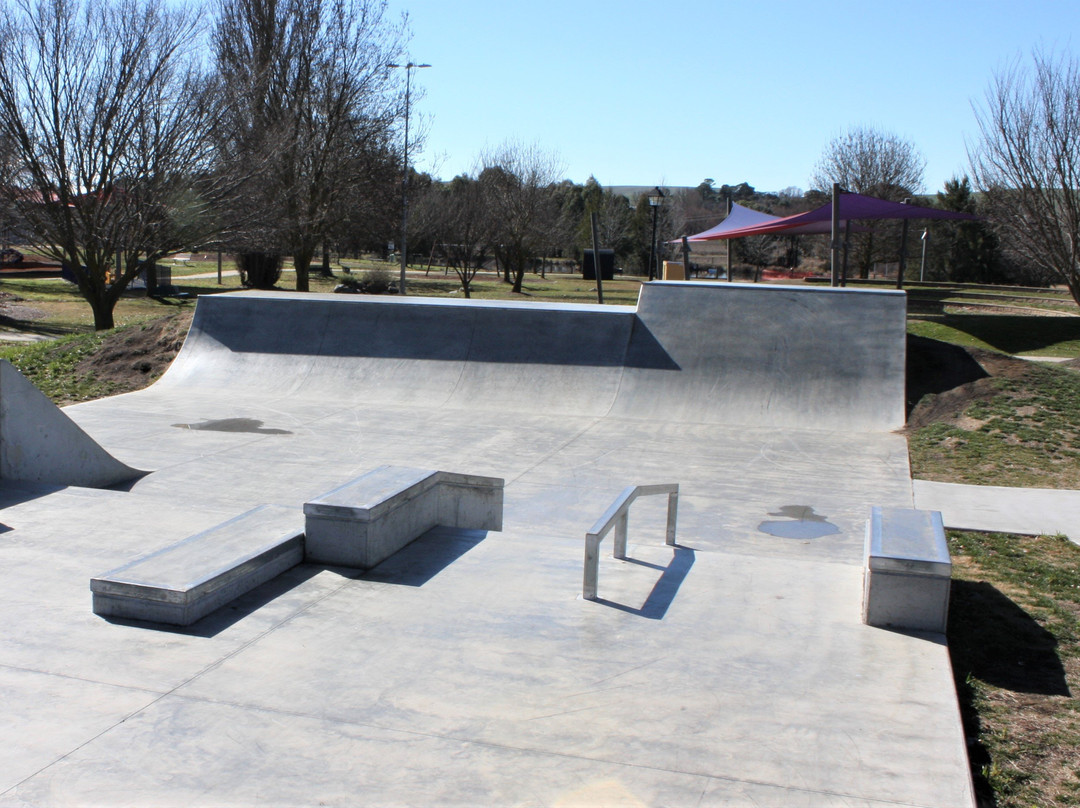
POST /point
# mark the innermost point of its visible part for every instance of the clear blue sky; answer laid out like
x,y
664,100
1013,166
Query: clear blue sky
x,y
645,93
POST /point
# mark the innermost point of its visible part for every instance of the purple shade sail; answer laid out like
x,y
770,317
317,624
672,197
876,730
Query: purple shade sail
x,y
819,220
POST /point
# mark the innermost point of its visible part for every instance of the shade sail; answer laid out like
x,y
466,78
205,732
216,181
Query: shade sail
x,y
738,218
819,220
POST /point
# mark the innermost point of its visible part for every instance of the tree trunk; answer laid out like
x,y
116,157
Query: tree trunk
x,y
103,312
867,260
302,262
326,273
519,275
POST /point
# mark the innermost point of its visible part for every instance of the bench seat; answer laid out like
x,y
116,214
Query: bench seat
x,y
368,519
187,580
907,571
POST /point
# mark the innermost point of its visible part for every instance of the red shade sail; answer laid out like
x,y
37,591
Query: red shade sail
x,y
819,220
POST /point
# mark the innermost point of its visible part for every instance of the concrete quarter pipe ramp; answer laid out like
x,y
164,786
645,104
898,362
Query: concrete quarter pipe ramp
x,y
466,669
771,356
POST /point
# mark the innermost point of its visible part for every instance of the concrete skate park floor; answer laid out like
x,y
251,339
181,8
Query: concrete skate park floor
x,y
467,670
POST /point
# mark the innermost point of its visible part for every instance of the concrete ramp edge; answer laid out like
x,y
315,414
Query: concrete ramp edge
x,y
740,355
39,443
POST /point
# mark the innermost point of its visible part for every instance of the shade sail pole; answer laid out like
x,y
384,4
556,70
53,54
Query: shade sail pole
x,y
729,244
903,251
834,251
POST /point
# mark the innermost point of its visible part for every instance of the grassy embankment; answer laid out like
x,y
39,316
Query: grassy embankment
x,y
1014,630
1014,622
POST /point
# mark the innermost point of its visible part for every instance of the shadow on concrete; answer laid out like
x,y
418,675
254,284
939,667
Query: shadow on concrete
x,y
645,351
665,588
413,565
217,621
16,492
484,334
420,561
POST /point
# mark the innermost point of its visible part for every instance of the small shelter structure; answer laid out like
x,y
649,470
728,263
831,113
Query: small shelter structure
x,y
831,217
851,206
738,217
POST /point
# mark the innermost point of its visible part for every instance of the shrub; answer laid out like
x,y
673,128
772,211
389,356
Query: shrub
x,y
259,270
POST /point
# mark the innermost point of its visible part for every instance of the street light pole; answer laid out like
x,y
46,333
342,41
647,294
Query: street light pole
x,y
656,198
409,68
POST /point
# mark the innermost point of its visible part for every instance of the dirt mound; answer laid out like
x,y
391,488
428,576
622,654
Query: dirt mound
x,y
14,310
943,380
132,358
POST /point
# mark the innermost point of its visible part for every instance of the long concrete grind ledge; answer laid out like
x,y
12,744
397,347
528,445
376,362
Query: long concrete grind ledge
x,y
466,669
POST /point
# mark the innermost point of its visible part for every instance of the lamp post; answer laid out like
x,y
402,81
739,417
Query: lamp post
x,y
922,265
656,199
409,68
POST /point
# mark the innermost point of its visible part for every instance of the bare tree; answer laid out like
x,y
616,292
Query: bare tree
x,y
308,84
467,229
1027,163
870,161
519,184
876,163
454,217
757,251
108,118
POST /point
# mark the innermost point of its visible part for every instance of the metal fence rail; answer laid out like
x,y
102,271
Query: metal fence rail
x,y
617,516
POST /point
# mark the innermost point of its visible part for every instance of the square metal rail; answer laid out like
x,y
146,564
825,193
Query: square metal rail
x,y
617,516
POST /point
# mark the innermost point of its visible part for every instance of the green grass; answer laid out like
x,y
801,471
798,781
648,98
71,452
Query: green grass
x,y
51,366
1008,333
65,312
1025,433
1014,641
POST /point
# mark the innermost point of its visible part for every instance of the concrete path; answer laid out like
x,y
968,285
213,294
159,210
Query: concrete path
x,y
466,670
10,335
1029,511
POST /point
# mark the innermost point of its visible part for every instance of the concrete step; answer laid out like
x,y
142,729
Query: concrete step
x,y
186,581
368,519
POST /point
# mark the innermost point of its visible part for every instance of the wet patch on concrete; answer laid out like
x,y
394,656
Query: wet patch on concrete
x,y
798,522
234,425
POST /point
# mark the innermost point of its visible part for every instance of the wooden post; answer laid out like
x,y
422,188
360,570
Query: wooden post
x,y
596,258
219,266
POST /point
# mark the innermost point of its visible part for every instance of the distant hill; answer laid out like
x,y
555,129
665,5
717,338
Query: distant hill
x,y
632,192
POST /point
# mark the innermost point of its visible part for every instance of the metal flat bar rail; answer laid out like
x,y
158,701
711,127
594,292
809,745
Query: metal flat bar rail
x,y
617,516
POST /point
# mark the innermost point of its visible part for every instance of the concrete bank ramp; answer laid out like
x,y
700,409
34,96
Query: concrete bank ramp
x,y
40,444
709,353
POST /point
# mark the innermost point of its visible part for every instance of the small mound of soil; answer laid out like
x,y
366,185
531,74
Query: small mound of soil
x,y
134,357
13,310
943,380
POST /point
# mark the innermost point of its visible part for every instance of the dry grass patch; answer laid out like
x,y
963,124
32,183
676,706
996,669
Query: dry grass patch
x,y
1014,638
